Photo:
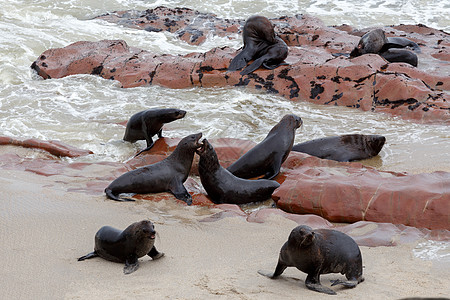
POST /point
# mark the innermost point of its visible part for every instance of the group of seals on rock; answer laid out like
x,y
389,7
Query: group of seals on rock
x,y
126,246
320,251
376,42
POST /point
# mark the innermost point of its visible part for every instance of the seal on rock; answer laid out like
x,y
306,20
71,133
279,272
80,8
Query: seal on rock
x,y
266,157
126,246
145,124
349,147
224,187
375,41
167,175
320,251
261,44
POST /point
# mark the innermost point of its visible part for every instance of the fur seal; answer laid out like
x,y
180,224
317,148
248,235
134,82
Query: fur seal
x,y
145,124
349,147
262,45
266,157
125,246
320,251
375,41
224,187
167,175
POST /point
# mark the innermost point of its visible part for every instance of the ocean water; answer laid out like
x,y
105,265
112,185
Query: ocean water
x,y
84,110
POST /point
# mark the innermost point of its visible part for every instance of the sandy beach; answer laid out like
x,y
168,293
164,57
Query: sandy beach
x,y
45,229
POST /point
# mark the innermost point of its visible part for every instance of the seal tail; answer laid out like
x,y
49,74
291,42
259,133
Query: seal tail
x,y
111,196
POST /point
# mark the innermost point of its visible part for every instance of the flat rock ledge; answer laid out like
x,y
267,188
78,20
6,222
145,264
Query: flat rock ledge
x,y
367,82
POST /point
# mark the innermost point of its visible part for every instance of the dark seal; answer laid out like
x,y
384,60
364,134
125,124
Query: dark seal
x,y
145,124
167,175
320,251
126,246
349,147
224,187
376,42
262,45
266,157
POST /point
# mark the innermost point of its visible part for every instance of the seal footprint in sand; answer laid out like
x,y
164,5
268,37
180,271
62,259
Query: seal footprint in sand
x,y
320,251
167,175
126,246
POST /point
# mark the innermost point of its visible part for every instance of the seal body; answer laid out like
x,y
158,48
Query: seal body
x,y
167,175
126,246
266,157
261,45
376,42
145,124
348,147
224,187
320,251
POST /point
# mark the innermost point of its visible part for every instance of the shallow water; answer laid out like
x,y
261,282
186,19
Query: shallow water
x,y
84,110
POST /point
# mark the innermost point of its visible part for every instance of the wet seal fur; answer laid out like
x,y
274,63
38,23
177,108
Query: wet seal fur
x,y
167,175
126,246
266,157
224,187
349,147
375,41
145,124
262,45
320,251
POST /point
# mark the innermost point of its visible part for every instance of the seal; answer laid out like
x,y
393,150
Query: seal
x,y
167,175
224,187
266,157
145,124
376,42
262,45
349,147
317,252
126,246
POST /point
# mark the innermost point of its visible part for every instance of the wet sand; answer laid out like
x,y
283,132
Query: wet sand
x,y
45,229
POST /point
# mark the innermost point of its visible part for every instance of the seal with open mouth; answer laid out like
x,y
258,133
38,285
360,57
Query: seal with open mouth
x,y
167,175
126,246
224,187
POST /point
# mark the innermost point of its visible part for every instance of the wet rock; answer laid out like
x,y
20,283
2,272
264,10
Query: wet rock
x,y
367,82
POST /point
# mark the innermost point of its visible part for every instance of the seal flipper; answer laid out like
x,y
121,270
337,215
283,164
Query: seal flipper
x,y
274,170
347,283
254,65
87,256
131,264
274,66
111,196
155,254
240,60
160,133
278,271
312,282
179,191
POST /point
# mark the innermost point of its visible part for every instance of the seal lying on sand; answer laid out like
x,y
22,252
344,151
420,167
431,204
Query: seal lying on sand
x,y
145,124
266,157
320,251
261,45
375,41
348,147
167,175
125,246
224,187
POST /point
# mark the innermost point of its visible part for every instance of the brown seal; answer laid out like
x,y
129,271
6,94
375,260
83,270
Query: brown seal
x,y
349,147
224,187
320,251
266,157
126,246
167,175
262,45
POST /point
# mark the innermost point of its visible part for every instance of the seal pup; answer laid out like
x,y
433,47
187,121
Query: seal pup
x,y
349,147
167,175
126,246
224,187
262,45
376,42
320,251
145,124
266,157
